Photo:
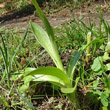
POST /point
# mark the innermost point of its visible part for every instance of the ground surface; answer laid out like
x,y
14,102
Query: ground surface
x,y
59,17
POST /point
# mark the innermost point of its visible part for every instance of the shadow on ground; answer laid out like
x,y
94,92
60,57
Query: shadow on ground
x,y
29,9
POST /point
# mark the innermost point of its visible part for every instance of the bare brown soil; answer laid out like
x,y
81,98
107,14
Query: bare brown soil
x,y
64,14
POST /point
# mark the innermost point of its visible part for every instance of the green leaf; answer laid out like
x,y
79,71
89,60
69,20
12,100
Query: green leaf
x,y
104,108
99,72
104,95
107,48
95,84
108,66
71,90
27,70
96,66
46,38
18,74
104,102
51,73
49,44
104,99
67,90
106,56
27,79
73,63
44,19
24,87
97,92
49,78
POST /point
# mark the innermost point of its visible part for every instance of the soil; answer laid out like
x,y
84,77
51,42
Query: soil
x,y
20,19
16,20
12,20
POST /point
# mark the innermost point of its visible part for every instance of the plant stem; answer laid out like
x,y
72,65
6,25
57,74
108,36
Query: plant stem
x,y
88,48
74,99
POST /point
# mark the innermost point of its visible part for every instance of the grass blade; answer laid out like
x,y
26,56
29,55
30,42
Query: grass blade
x,y
26,101
5,56
33,59
3,101
73,63
16,50
44,19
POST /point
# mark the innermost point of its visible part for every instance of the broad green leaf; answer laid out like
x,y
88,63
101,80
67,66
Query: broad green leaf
x,y
73,63
96,66
47,37
52,72
49,78
71,90
49,44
